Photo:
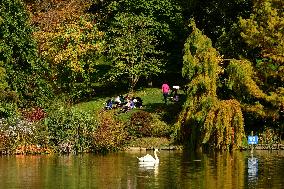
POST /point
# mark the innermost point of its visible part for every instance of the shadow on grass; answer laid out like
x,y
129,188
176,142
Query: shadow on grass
x,y
169,112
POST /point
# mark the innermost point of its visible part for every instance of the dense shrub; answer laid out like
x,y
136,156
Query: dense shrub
x,y
33,114
8,109
110,135
15,132
70,130
144,124
269,136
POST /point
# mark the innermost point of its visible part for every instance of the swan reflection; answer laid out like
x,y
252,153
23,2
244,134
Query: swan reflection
x,y
149,167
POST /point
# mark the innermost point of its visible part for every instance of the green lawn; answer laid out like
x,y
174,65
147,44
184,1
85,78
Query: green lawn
x,y
152,103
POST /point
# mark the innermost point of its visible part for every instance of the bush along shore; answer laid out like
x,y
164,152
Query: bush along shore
x,y
87,127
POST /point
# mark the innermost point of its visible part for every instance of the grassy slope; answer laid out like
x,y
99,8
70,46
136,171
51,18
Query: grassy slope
x,y
152,99
152,103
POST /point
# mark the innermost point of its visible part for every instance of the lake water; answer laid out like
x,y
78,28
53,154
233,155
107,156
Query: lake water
x,y
177,169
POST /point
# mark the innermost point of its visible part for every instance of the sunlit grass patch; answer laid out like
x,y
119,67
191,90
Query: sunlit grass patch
x,y
150,142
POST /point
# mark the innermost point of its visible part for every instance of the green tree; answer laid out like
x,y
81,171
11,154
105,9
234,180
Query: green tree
x,y
18,53
161,27
261,78
133,48
218,19
205,118
264,29
70,42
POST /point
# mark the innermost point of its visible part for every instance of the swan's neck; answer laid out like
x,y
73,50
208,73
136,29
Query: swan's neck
x,y
156,157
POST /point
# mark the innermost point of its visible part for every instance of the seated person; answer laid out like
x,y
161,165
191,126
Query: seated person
x,y
174,94
122,99
108,104
117,101
137,102
128,106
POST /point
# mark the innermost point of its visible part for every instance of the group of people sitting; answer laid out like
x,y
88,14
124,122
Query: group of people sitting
x,y
125,103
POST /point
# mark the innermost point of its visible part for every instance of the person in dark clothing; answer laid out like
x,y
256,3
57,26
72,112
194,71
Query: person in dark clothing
x,y
108,104
138,102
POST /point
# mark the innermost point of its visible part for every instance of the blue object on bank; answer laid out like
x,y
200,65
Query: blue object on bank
x,y
252,139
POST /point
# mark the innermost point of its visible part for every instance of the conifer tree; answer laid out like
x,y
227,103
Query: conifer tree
x,y
206,119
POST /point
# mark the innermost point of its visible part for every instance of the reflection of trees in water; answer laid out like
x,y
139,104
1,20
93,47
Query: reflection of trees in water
x,y
217,170
269,169
252,170
121,170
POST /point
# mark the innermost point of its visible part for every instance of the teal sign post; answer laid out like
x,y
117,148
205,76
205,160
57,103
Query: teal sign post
x,y
252,139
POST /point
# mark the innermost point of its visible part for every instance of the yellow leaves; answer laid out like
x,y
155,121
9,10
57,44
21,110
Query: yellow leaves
x,y
265,29
71,44
241,73
224,125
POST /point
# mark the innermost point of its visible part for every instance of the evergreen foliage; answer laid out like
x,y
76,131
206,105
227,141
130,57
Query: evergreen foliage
x,y
205,118
264,31
21,69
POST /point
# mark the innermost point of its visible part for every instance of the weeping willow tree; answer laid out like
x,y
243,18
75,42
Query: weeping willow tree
x,y
205,119
253,86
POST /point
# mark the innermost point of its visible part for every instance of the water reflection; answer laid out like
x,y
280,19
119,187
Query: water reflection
x,y
149,167
252,170
176,169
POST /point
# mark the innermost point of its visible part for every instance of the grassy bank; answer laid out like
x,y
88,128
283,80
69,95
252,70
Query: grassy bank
x,y
86,127
164,116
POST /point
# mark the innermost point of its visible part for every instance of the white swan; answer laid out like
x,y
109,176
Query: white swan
x,y
149,159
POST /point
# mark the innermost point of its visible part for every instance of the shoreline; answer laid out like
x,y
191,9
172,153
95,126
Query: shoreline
x,y
255,147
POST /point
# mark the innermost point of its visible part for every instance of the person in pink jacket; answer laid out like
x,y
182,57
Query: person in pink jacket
x,y
165,91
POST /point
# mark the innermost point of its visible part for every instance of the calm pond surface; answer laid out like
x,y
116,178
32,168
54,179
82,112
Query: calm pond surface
x,y
177,169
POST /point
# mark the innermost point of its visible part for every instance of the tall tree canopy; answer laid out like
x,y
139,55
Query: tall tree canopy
x,y
205,119
139,32
249,90
133,49
70,42
18,54
264,32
